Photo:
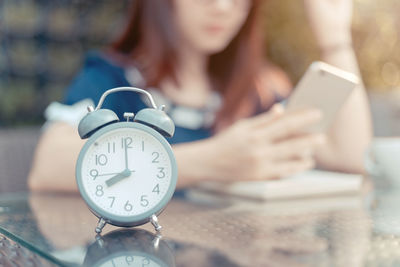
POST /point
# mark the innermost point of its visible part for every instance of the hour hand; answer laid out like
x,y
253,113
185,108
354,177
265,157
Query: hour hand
x,y
120,176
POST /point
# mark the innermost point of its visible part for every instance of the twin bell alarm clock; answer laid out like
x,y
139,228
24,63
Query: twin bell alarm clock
x,y
126,172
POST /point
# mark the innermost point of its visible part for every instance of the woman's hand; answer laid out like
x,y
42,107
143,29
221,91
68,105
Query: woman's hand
x,y
330,21
268,146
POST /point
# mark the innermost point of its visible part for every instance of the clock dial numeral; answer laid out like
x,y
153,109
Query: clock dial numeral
x,y
99,190
101,159
142,146
143,201
112,201
145,262
161,173
128,206
156,189
111,147
126,142
94,173
129,259
155,155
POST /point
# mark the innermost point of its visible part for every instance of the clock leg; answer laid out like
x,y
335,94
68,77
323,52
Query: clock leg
x,y
156,240
99,240
154,222
100,225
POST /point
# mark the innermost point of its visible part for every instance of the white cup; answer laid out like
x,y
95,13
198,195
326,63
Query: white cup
x,y
382,161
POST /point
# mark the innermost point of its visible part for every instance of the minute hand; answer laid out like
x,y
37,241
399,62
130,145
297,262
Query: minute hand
x,y
126,155
120,176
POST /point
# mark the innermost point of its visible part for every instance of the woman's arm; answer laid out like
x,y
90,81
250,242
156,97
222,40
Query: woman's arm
x,y
53,166
352,131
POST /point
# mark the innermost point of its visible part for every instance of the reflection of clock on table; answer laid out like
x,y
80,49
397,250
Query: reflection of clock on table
x,y
126,172
129,247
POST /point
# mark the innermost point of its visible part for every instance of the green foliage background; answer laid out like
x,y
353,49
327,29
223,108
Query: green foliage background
x,y
42,44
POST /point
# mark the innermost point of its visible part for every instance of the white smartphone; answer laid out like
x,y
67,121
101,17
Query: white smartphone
x,y
324,87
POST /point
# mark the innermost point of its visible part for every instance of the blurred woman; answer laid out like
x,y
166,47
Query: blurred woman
x,y
203,60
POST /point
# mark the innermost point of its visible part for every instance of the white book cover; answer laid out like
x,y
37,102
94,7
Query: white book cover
x,y
309,183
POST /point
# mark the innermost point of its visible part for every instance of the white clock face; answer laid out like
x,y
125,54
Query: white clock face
x,y
126,172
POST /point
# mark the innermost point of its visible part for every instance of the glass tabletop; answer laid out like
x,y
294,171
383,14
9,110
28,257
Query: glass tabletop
x,y
211,230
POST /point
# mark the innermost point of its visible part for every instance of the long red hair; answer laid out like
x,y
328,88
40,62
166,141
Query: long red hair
x,y
151,41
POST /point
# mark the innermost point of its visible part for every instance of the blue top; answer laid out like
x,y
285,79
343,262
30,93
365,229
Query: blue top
x,y
100,74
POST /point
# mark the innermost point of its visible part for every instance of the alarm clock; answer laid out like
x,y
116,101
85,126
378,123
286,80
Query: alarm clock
x,y
129,247
126,172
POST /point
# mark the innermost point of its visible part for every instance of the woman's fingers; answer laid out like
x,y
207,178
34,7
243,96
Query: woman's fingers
x,y
268,146
286,168
291,124
299,147
263,119
277,124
